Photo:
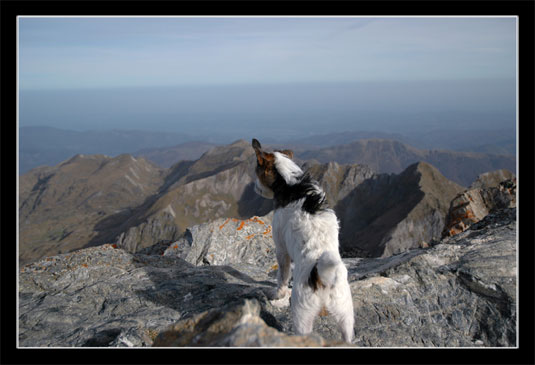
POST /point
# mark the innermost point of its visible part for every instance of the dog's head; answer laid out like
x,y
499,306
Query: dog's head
x,y
273,166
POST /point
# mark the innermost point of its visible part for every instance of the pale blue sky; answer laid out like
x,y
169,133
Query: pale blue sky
x,y
86,52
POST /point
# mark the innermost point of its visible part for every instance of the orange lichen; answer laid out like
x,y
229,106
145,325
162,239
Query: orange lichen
x,y
223,225
175,246
250,236
274,267
256,220
268,230
241,226
84,265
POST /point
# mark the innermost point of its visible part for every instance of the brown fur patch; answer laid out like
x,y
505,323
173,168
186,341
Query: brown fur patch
x,y
314,280
323,312
265,168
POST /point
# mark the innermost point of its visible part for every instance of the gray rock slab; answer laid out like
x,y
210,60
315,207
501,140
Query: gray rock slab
x,y
459,292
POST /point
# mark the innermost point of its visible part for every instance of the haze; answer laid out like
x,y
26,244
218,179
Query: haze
x,y
276,76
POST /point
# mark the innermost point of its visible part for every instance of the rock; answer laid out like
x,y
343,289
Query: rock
x,y
492,179
473,205
459,292
228,241
237,325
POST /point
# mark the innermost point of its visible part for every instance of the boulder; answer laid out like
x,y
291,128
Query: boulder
x,y
473,205
228,241
237,325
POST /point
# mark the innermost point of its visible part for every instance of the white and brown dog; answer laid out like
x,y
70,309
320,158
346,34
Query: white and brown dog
x,y
305,231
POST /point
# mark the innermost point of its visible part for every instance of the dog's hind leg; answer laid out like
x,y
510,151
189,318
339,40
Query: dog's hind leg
x,y
344,316
303,313
284,272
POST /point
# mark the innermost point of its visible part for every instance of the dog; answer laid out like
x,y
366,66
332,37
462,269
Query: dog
x,y
305,231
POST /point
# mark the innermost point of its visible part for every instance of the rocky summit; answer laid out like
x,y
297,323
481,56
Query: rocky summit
x,y
214,287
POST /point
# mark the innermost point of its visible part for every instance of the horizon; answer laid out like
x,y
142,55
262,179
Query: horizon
x,y
284,75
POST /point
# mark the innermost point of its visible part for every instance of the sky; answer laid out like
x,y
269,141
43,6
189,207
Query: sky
x,y
101,52
288,76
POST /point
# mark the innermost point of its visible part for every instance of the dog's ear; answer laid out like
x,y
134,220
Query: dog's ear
x,y
256,144
288,153
258,150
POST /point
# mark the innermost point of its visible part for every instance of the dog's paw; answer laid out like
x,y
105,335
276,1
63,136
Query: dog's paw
x,y
281,297
283,293
279,293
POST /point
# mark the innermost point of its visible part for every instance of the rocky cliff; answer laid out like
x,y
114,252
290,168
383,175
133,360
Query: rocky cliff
x,y
214,287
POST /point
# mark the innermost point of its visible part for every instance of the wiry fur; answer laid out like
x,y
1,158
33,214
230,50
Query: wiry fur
x,y
305,231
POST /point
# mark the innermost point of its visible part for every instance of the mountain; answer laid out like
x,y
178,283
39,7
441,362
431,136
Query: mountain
x,y
461,292
168,156
48,146
219,184
339,138
496,141
390,156
388,214
68,206
92,200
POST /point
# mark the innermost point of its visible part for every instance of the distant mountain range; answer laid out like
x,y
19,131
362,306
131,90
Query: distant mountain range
x,y
90,200
388,156
168,156
46,146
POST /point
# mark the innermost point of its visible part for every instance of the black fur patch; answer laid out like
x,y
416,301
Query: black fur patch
x,y
314,280
306,188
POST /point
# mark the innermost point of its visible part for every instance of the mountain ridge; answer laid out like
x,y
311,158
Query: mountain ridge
x,y
97,199
387,156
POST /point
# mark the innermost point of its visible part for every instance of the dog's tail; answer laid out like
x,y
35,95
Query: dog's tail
x,y
323,274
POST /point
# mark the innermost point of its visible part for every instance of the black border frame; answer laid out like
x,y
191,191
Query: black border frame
x,y
525,10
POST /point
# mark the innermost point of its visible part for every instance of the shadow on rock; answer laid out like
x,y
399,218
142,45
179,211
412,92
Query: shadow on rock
x,y
190,290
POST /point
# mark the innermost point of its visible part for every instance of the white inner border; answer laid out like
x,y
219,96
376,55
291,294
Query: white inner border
x,y
276,16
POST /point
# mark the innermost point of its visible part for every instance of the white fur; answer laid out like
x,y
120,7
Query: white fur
x,y
289,171
307,240
261,190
